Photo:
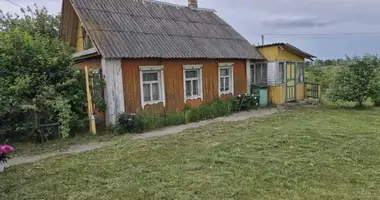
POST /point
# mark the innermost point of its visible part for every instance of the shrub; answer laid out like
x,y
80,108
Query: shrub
x,y
132,123
358,81
129,123
247,102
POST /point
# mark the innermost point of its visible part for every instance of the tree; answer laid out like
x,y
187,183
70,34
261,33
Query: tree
x,y
328,62
35,21
37,83
358,81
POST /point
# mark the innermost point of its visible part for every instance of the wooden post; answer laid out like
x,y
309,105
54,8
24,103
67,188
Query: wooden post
x,y
90,111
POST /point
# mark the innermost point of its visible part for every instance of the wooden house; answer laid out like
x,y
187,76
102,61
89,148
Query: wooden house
x,y
155,56
283,72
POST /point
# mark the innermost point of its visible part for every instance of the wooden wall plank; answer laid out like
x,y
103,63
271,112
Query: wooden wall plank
x,y
173,76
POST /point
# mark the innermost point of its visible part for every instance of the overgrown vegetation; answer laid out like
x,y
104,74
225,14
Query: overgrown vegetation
x,y
299,154
132,123
357,80
37,84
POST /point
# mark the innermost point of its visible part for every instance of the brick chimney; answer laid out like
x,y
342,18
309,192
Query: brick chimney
x,y
193,4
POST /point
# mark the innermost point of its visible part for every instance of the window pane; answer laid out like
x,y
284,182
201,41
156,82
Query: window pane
x,y
191,74
264,73
146,92
188,88
156,91
253,75
282,73
227,83
224,72
150,76
221,84
195,88
258,73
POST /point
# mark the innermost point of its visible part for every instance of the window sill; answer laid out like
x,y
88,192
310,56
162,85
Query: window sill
x,y
152,103
193,98
224,93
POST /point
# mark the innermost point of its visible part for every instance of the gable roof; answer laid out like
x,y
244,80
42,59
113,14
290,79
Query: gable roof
x,y
290,48
153,29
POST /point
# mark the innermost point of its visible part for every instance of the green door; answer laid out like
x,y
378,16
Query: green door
x,y
290,82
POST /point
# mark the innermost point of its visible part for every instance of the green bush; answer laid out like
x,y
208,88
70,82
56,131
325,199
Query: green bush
x,y
358,82
132,123
247,102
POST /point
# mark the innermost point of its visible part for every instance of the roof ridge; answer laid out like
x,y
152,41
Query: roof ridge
x,y
99,10
176,5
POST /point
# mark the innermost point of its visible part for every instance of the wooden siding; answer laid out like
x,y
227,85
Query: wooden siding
x,y
69,24
93,63
174,88
300,91
288,56
277,94
275,53
270,53
272,73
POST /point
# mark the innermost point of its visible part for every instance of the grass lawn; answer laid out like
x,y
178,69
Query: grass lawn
x,y
27,149
300,154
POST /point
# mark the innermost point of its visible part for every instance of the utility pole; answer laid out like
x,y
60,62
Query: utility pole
x,y
262,39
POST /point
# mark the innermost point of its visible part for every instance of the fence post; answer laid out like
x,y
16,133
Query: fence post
x,y
89,103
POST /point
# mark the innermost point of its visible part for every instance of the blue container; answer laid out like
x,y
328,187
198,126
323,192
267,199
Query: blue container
x,y
262,92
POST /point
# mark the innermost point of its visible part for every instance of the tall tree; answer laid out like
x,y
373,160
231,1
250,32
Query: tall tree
x,y
33,20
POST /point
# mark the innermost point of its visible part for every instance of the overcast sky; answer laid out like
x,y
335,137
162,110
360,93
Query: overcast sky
x,y
294,18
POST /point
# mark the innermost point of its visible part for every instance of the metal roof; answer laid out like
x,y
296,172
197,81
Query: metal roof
x,y
153,29
289,48
88,52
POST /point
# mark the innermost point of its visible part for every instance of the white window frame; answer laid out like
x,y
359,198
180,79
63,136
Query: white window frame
x,y
197,68
161,83
229,66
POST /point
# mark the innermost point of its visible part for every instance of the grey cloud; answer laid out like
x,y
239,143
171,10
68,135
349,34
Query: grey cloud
x,y
296,23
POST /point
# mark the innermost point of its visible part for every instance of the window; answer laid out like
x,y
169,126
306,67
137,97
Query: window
x,y
96,80
192,82
300,72
151,85
226,78
281,70
87,43
260,73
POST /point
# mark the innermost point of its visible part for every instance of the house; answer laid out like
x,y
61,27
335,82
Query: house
x,y
283,72
155,56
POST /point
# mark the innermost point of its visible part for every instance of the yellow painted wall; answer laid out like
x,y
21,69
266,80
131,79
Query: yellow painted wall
x,y
79,46
300,91
288,56
270,53
277,94
275,53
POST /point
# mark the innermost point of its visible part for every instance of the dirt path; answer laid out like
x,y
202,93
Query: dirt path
x,y
166,131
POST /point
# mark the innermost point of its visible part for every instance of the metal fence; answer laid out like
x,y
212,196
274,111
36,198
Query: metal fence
x,y
313,90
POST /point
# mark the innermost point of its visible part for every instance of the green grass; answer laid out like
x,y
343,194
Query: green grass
x,y
299,154
27,149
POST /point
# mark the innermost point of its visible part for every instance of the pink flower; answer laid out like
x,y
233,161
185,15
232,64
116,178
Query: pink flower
x,y
6,149
133,114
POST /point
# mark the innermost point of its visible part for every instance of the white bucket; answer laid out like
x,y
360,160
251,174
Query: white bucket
x,y
1,166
